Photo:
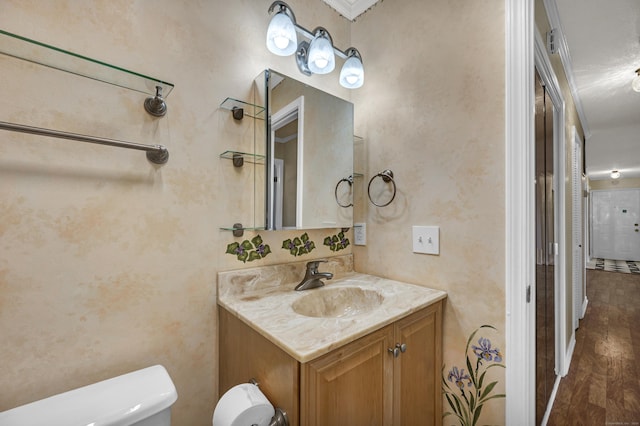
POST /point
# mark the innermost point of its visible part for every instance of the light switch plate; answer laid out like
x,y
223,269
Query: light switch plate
x,y
360,234
426,239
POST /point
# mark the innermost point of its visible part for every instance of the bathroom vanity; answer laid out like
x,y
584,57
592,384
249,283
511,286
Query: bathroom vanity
x,y
362,350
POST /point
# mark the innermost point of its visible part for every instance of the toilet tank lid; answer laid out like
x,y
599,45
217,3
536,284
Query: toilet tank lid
x,y
122,400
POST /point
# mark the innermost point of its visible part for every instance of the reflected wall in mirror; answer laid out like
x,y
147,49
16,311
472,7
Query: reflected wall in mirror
x,y
309,147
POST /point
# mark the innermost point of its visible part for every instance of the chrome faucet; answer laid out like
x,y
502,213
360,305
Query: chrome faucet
x,y
312,276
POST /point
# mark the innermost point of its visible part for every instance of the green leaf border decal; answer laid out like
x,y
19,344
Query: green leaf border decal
x,y
299,245
337,242
249,250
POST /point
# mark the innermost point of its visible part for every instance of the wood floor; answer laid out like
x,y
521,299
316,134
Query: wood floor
x,y
603,384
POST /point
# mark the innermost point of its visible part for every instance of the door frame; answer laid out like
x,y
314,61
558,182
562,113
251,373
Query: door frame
x,y
521,44
519,212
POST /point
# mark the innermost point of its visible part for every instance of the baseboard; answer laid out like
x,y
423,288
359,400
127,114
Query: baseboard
x,y
584,307
552,398
570,349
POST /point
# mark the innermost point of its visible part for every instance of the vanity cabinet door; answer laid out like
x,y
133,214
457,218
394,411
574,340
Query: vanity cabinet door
x,y
350,386
417,391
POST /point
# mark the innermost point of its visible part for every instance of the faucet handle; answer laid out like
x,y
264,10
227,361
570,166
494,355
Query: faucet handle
x,y
313,265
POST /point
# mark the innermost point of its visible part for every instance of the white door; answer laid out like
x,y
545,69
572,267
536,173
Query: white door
x,y
577,222
616,224
278,177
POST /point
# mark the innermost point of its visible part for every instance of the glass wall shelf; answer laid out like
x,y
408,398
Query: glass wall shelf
x,y
243,229
43,54
245,156
250,110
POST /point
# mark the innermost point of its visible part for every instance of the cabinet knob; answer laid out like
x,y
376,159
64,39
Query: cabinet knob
x,y
402,347
394,351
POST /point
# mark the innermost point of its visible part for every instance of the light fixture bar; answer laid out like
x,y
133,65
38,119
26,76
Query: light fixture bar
x,y
315,56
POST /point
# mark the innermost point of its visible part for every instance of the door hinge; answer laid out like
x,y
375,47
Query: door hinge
x,y
552,41
529,294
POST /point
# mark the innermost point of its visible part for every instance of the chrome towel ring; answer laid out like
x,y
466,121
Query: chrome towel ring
x,y
387,176
349,180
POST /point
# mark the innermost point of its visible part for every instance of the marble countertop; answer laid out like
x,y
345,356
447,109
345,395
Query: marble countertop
x,y
268,310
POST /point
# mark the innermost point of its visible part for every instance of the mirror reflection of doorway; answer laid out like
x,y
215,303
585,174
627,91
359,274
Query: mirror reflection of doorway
x,y
285,171
286,166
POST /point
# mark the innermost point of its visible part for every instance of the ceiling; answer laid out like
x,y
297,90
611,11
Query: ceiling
x,y
603,39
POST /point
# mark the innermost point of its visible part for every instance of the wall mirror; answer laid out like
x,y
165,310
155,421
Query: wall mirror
x,y
309,155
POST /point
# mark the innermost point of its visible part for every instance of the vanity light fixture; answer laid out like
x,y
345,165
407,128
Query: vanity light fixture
x,y
635,83
321,59
615,174
281,35
352,73
316,56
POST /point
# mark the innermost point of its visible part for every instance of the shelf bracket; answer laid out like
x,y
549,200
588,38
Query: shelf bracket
x,y
156,105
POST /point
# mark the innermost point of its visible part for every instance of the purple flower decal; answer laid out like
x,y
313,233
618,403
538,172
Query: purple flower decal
x,y
484,352
459,377
466,402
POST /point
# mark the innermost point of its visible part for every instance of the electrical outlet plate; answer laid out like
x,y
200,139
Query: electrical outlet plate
x,y
426,239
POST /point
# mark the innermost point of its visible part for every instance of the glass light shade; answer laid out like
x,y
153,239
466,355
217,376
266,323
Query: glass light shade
x,y
352,73
281,35
615,174
321,59
635,84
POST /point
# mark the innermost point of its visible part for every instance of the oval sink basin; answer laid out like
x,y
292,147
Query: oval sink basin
x,y
337,302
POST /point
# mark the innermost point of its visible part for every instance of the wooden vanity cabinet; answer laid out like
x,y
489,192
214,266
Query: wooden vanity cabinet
x,y
363,383
389,377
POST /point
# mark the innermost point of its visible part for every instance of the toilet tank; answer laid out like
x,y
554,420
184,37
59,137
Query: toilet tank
x,y
140,398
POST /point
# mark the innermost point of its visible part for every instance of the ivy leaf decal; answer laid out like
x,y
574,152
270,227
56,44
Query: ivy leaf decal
x,y
232,248
243,256
299,245
254,255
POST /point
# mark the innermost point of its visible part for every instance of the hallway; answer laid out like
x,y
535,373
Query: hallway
x,y
603,384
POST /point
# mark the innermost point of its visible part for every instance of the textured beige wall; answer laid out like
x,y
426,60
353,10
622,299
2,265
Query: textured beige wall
x,y
432,111
107,263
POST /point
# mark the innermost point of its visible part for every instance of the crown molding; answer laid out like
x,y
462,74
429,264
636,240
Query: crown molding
x,y
563,49
351,9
